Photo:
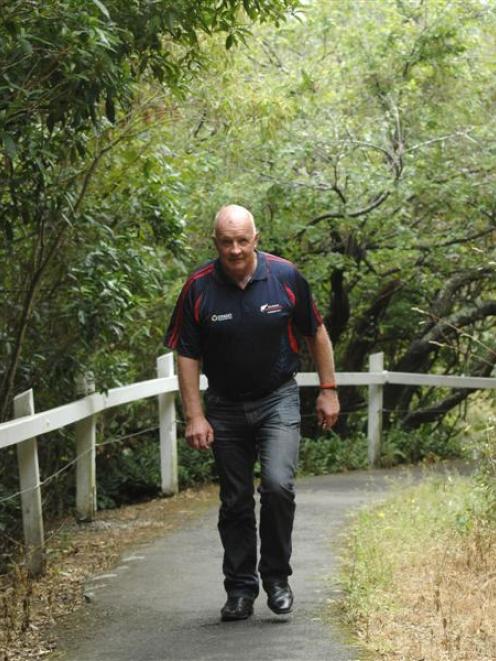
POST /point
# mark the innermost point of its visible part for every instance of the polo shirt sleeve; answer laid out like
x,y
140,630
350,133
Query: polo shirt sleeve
x,y
306,316
183,334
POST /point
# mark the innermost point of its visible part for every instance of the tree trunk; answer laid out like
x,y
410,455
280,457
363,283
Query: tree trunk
x,y
438,409
417,358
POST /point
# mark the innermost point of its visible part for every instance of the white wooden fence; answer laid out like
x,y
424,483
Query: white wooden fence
x,y
27,425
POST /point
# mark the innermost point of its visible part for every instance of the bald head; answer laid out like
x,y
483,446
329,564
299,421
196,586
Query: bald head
x,y
233,216
235,237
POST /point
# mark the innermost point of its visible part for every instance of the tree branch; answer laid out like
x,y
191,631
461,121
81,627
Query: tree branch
x,y
382,197
438,410
367,328
443,302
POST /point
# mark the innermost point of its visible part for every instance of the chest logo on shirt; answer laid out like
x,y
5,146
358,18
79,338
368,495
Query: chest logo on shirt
x,y
270,309
221,317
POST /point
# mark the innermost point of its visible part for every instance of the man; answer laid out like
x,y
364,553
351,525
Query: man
x,y
235,319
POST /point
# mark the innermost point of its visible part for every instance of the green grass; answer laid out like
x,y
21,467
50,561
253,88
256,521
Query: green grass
x,y
418,571
386,538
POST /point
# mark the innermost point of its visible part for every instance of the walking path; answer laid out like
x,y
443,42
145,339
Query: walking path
x,y
163,601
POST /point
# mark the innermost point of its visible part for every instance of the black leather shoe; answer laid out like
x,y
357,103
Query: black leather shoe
x,y
279,597
237,608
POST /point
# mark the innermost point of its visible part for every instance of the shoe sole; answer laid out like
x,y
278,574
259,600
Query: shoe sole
x,y
231,618
281,611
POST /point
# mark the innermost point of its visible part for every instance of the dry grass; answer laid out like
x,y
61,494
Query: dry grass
x,y
422,582
30,608
446,604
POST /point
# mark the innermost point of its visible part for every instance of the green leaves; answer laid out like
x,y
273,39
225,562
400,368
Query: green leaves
x,y
102,8
9,146
362,143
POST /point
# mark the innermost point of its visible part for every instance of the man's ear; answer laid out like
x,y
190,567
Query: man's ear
x,y
257,238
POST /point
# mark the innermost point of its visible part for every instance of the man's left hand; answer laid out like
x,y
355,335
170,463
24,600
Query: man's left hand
x,y
327,408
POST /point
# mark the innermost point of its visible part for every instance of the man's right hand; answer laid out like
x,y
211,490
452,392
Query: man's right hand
x,y
199,433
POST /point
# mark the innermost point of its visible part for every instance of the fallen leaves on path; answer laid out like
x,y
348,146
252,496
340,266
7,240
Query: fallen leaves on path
x,y
29,609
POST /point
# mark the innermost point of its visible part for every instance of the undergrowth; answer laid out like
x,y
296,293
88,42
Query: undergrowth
x,y
132,473
420,581
420,573
332,454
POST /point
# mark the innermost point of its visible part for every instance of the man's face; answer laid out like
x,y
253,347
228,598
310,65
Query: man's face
x,y
236,243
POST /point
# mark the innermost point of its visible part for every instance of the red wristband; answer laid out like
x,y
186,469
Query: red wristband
x,y
328,386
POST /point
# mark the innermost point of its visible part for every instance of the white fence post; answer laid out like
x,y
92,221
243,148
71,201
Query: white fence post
x,y
376,364
29,479
168,432
85,431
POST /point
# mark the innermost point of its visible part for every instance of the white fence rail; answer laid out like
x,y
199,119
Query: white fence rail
x,y
27,425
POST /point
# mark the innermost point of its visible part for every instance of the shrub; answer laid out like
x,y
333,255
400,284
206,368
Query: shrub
x,y
428,443
195,467
483,447
332,454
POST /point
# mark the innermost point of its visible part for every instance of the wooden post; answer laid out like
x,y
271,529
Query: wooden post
x,y
29,478
168,432
85,431
376,364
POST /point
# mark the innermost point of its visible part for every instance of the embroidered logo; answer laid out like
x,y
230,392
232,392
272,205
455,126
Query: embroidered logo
x,y
221,317
270,309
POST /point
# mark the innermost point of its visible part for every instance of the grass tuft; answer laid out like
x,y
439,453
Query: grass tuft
x,y
420,579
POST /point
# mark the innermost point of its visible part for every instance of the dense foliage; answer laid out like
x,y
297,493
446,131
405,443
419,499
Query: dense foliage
x,y
364,143
362,140
73,89
91,207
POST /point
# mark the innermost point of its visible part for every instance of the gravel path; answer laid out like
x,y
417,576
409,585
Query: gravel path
x,y
162,602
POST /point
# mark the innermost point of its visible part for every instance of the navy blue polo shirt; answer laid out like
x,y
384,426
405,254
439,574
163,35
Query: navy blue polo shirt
x,y
245,338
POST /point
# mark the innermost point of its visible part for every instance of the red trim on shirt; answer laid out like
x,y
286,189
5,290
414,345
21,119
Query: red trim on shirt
x,y
180,304
275,258
290,293
293,342
197,309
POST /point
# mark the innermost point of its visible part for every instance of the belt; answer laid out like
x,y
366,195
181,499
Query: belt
x,y
253,394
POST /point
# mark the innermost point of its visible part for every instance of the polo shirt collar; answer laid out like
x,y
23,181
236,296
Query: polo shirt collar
x,y
260,271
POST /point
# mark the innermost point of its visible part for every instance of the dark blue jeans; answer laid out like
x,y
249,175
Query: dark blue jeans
x,y
267,428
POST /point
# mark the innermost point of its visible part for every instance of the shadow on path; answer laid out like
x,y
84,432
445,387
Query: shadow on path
x,y
163,601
